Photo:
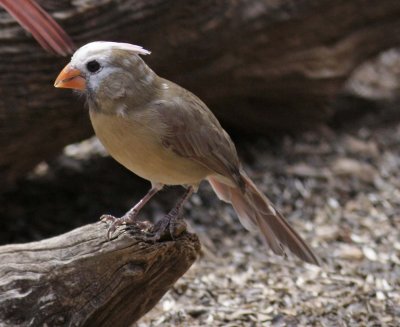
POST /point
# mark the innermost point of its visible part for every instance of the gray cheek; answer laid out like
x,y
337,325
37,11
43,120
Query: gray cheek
x,y
115,89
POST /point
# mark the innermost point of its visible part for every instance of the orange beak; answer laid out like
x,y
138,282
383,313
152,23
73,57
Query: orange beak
x,y
70,78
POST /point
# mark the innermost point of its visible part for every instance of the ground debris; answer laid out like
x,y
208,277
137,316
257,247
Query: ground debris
x,y
342,195
340,190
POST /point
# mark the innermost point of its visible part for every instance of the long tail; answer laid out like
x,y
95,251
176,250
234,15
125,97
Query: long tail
x,y
257,213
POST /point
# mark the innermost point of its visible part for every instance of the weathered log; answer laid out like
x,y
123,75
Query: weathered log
x,y
82,279
260,65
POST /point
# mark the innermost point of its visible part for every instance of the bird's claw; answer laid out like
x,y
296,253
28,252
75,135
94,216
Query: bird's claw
x,y
108,218
115,222
170,226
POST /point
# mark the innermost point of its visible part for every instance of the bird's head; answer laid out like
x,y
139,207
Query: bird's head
x,y
107,71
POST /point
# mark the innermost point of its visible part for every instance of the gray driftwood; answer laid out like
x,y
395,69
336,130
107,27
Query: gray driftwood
x,y
260,65
82,279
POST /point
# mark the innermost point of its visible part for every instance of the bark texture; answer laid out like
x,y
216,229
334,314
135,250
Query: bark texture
x,y
82,279
259,65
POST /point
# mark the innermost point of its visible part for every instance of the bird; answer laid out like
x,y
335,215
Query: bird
x,y
168,136
41,25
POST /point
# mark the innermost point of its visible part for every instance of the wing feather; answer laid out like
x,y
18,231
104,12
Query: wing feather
x,y
192,131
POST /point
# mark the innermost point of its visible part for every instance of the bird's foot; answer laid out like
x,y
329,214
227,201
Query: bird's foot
x,y
127,219
170,226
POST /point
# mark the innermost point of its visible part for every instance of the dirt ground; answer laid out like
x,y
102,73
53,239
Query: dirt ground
x,y
340,190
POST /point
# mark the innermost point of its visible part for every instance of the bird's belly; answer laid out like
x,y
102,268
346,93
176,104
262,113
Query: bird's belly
x,y
139,149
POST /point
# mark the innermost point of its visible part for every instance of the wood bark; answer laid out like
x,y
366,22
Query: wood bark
x,y
259,65
82,279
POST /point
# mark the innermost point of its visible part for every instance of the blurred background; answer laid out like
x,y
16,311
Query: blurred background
x,y
308,90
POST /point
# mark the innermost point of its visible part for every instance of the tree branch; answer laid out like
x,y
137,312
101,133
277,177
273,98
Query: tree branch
x,y
82,279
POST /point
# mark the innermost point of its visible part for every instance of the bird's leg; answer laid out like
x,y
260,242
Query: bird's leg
x,y
130,218
173,219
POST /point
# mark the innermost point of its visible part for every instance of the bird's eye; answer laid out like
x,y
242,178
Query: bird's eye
x,y
93,66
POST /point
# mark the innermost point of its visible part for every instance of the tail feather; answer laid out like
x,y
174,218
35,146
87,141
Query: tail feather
x,y
256,212
43,27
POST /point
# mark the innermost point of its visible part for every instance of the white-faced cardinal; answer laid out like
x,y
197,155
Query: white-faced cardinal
x,y
167,135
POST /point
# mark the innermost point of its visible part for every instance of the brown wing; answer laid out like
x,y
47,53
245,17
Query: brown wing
x,y
42,26
192,131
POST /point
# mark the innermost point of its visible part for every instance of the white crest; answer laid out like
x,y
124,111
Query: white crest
x,y
103,46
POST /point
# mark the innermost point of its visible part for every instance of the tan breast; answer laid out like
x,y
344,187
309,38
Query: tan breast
x,y
135,143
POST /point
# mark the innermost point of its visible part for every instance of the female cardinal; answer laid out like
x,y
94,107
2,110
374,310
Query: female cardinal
x,y
167,135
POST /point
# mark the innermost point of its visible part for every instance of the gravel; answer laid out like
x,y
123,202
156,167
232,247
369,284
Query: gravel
x,y
339,189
